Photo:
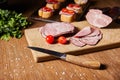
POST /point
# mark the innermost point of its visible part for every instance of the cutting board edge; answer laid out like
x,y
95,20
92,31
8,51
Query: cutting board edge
x,y
80,52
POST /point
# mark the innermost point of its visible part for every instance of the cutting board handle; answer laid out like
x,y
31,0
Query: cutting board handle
x,y
83,62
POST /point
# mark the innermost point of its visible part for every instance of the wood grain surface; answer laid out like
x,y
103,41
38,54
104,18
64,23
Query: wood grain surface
x,y
17,62
110,39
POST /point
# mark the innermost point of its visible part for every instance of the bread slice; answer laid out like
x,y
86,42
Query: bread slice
x,y
67,18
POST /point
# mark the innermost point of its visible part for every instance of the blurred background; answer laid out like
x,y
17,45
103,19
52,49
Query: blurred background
x,y
20,5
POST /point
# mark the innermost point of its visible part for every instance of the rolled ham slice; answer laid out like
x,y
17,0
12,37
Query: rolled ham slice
x,y
96,18
56,29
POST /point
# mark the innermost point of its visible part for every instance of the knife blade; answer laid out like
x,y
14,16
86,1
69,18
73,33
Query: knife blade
x,y
70,58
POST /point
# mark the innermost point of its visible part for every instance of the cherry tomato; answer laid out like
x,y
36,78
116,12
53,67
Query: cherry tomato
x,y
62,40
50,39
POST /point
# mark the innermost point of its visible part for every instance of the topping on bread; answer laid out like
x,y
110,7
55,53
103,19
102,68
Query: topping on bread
x,y
67,15
75,7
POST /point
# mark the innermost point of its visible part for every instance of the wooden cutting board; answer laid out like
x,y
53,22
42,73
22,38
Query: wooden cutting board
x,y
111,39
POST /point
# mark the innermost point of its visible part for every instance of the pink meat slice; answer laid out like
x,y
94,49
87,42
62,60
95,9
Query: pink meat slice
x,y
91,39
95,32
77,42
95,11
85,31
96,18
56,29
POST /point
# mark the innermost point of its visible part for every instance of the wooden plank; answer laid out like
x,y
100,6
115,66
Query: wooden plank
x,y
110,39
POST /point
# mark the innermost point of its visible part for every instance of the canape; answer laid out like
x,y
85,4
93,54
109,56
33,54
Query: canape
x,y
67,15
45,12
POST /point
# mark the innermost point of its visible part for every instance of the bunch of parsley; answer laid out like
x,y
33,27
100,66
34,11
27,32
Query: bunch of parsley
x,y
11,24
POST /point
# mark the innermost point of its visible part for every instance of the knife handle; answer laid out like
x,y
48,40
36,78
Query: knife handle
x,y
82,62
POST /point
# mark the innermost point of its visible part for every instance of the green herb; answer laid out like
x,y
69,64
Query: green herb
x,y
12,24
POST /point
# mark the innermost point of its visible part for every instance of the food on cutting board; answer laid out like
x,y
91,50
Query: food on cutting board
x,y
89,35
67,15
50,39
81,2
62,40
56,29
86,36
45,12
85,31
96,18
53,4
75,7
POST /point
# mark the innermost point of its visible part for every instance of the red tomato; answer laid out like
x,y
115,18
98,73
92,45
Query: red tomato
x,y
62,40
47,9
50,39
71,12
64,10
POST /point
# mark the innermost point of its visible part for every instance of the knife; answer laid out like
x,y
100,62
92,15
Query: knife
x,y
69,58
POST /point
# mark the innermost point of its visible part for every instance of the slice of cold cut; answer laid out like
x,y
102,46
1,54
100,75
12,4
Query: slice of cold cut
x,y
96,18
56,29
95,32
85,31
92,38
77,42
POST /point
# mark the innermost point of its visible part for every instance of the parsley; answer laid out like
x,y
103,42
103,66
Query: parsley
x,y
11,24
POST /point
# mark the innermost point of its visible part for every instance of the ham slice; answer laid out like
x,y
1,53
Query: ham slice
x,y
96,18
77,42
56,29
92,38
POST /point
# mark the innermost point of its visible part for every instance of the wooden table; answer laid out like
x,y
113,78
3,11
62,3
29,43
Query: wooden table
x,y
17,61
